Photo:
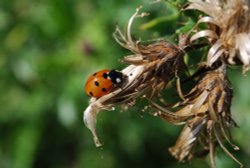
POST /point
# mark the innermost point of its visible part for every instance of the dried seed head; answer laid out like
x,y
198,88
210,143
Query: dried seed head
x,y
205,112
151,67
228,29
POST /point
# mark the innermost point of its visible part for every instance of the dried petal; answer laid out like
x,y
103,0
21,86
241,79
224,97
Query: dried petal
x,y
204,33
89,119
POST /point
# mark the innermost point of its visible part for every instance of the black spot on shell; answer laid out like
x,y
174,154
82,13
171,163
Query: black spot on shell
x,y
94,74
105,75
96,83
104,89
91,93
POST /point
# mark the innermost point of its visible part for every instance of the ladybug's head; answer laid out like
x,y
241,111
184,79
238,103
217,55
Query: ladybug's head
x,y
116,77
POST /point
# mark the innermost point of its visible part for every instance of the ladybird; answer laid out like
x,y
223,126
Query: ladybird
x,y
102,82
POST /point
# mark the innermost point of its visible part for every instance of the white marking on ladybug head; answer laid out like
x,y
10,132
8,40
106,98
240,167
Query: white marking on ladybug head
x,y
118,80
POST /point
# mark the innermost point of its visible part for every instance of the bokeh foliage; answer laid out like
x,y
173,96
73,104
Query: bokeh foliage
x,y
47,50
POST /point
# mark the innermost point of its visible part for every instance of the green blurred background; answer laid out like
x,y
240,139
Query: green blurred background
x,y
47,50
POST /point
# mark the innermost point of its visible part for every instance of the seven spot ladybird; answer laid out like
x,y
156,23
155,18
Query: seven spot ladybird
x,y
102,82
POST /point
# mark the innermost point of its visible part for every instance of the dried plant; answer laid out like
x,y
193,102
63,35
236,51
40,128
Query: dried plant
x,y
228,30
204,110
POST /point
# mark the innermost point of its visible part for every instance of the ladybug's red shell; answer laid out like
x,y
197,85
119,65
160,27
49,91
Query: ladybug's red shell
x,y
98,84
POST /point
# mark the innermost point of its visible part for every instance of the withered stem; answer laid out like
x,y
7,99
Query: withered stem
x,y
211,145
225,149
